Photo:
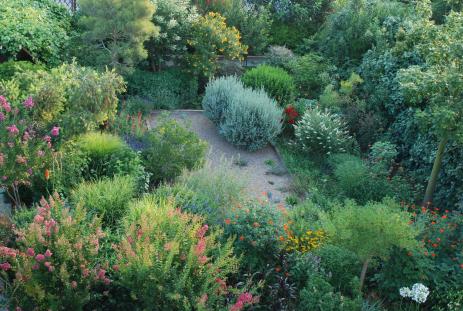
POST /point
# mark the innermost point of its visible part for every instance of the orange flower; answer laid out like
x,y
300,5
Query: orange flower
x,y
227,221
277,268
444,217
241,238
281,238
47,174
433,255
256,224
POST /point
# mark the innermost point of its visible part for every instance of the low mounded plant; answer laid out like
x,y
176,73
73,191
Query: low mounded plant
x,y
171,148
171,260
275,81
252,120
106,198
218,96
320,132
57,261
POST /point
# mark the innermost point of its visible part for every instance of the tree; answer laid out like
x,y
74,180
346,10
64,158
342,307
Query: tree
x,y
436,88
114,31
370,231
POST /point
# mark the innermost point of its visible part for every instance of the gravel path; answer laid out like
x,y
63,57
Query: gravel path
x,y
262,169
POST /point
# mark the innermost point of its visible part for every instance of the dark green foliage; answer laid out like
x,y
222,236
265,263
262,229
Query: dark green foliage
x,y
275,81
167,89
10,68
170,149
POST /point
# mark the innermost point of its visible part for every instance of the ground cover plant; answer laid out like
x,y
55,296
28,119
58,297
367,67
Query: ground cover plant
x,y
109,203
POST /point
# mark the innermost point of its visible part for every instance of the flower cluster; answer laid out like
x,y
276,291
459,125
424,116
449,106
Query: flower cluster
x,y
309,241
418,293
243,300
25,150
291,114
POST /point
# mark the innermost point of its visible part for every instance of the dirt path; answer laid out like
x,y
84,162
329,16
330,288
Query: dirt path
x,y
263,169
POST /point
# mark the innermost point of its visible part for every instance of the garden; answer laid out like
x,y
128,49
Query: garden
x,y
231,155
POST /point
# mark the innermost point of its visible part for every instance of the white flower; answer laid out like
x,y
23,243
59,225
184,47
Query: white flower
x,y
405,292
420,293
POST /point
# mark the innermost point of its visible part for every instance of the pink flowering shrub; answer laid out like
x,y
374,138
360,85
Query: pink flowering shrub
x,y
55,263
171,260
25,148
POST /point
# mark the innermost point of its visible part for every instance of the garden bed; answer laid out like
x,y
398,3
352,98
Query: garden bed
x,y
263,169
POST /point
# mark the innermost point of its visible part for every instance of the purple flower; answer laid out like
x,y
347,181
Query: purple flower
x,y
4,178
12,129
2,117
28,103
29,171
55,131
5,104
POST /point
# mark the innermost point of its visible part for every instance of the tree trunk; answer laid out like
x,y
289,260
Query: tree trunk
x,y
435,172
364,272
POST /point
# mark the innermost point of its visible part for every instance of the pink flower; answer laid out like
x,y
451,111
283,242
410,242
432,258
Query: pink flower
x,y
35,267
47,138
5,266
48,253
202,231
74,284
51,269
5,104
200,247
28,103
30,251
2,117
116,268
40,257
38,219
55,131
26,136
40,153
47,264
203,299
12,129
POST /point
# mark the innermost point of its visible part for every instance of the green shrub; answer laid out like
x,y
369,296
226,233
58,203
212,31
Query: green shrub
x,y
219,94
170,260
279,56
311,73
320,132
108,198
60,261
252,120
10,68
36,29
210,192
168,89
275,81
258,228
170,149
108,155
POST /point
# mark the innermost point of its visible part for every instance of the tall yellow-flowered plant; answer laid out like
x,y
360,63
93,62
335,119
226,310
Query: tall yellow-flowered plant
x,y
210,38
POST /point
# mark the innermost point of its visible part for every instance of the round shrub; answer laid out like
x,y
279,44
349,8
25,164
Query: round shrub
x,y
107,198
107,156
170,260
320,132
218,95
252,120
279,55
171,148
275,81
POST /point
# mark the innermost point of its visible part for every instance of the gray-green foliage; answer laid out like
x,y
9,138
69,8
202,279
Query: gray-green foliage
x,y
320,132
252,120
219,93
107,198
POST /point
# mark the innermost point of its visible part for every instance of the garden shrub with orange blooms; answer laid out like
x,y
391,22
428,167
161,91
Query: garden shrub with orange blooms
x,y
258,229
171,260
211,37
56,262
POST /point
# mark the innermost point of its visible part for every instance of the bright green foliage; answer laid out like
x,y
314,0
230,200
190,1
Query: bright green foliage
x,y
311,74
219,94
107,156
252,21
114,32
79,97
171,148
252,120
371,230
10,68
320,132
57,263
258,229
275,81
210,37
175,18
171,260
168,89
108,198
37,28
